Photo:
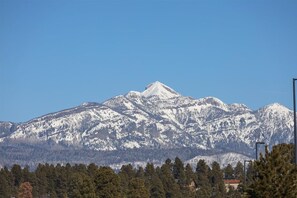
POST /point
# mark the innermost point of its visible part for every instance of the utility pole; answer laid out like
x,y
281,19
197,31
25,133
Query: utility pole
x,y
295,130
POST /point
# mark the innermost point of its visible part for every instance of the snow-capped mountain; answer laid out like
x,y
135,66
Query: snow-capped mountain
x,y
158,117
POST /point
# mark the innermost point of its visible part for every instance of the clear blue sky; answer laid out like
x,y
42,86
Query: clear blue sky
x,y
58,54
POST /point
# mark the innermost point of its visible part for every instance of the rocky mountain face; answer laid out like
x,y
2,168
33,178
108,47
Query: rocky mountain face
x,y
158,118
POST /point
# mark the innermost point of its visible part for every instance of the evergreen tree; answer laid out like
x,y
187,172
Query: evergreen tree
x,y
4,186
61,181
179,172
275,174
81,185
51,176
80,168
8,179
92,169
238,171
190,175
137,189
171,188
40,173
140,172
126,174
203,184
107,183
190,183
156,189
149,170
153,182
16,172
217,182
229,172
26,174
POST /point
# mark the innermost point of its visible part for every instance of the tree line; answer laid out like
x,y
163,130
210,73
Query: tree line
x,y
273,175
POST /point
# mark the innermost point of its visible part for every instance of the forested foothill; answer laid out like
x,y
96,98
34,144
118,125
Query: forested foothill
x,y
273,175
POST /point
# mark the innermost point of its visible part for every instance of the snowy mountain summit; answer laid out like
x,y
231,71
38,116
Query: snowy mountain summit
x,y
158,118
160,90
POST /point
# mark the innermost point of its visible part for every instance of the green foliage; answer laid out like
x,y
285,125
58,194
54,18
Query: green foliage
x,y
189,188
153,182
140,172
107,183
91,170
16,171
217,182
81,185
4,184
178,171
171,187
40,173
238,171
275,174
126,174
156,189
61,181
137,189
203,184
229,172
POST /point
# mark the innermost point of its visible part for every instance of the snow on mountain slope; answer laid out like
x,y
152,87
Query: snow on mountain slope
x,y
159,117
160,90
223,159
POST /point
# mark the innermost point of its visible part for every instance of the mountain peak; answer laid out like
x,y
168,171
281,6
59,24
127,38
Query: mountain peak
x,y
159,89
276,107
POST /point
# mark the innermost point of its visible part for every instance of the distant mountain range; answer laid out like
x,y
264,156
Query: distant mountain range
x,y
157,119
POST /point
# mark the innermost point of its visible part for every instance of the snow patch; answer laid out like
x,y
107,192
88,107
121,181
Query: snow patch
x,y
131,144
160,90
223,159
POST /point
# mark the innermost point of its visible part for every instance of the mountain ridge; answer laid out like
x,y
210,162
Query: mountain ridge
x,y
158,117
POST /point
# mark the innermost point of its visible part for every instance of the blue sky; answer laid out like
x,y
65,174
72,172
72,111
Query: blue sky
x,y
59,54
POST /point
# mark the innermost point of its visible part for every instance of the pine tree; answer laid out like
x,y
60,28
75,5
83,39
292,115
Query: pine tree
x,y
153,182
217,182
190,183
275,174
140,172
81,185
80,168
179,172
4,186
229,172
61,181
16,171
171,188
107,183
8,179
126,174
40,173
190,175
51,176
137,189
238,171
92,169
203,184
